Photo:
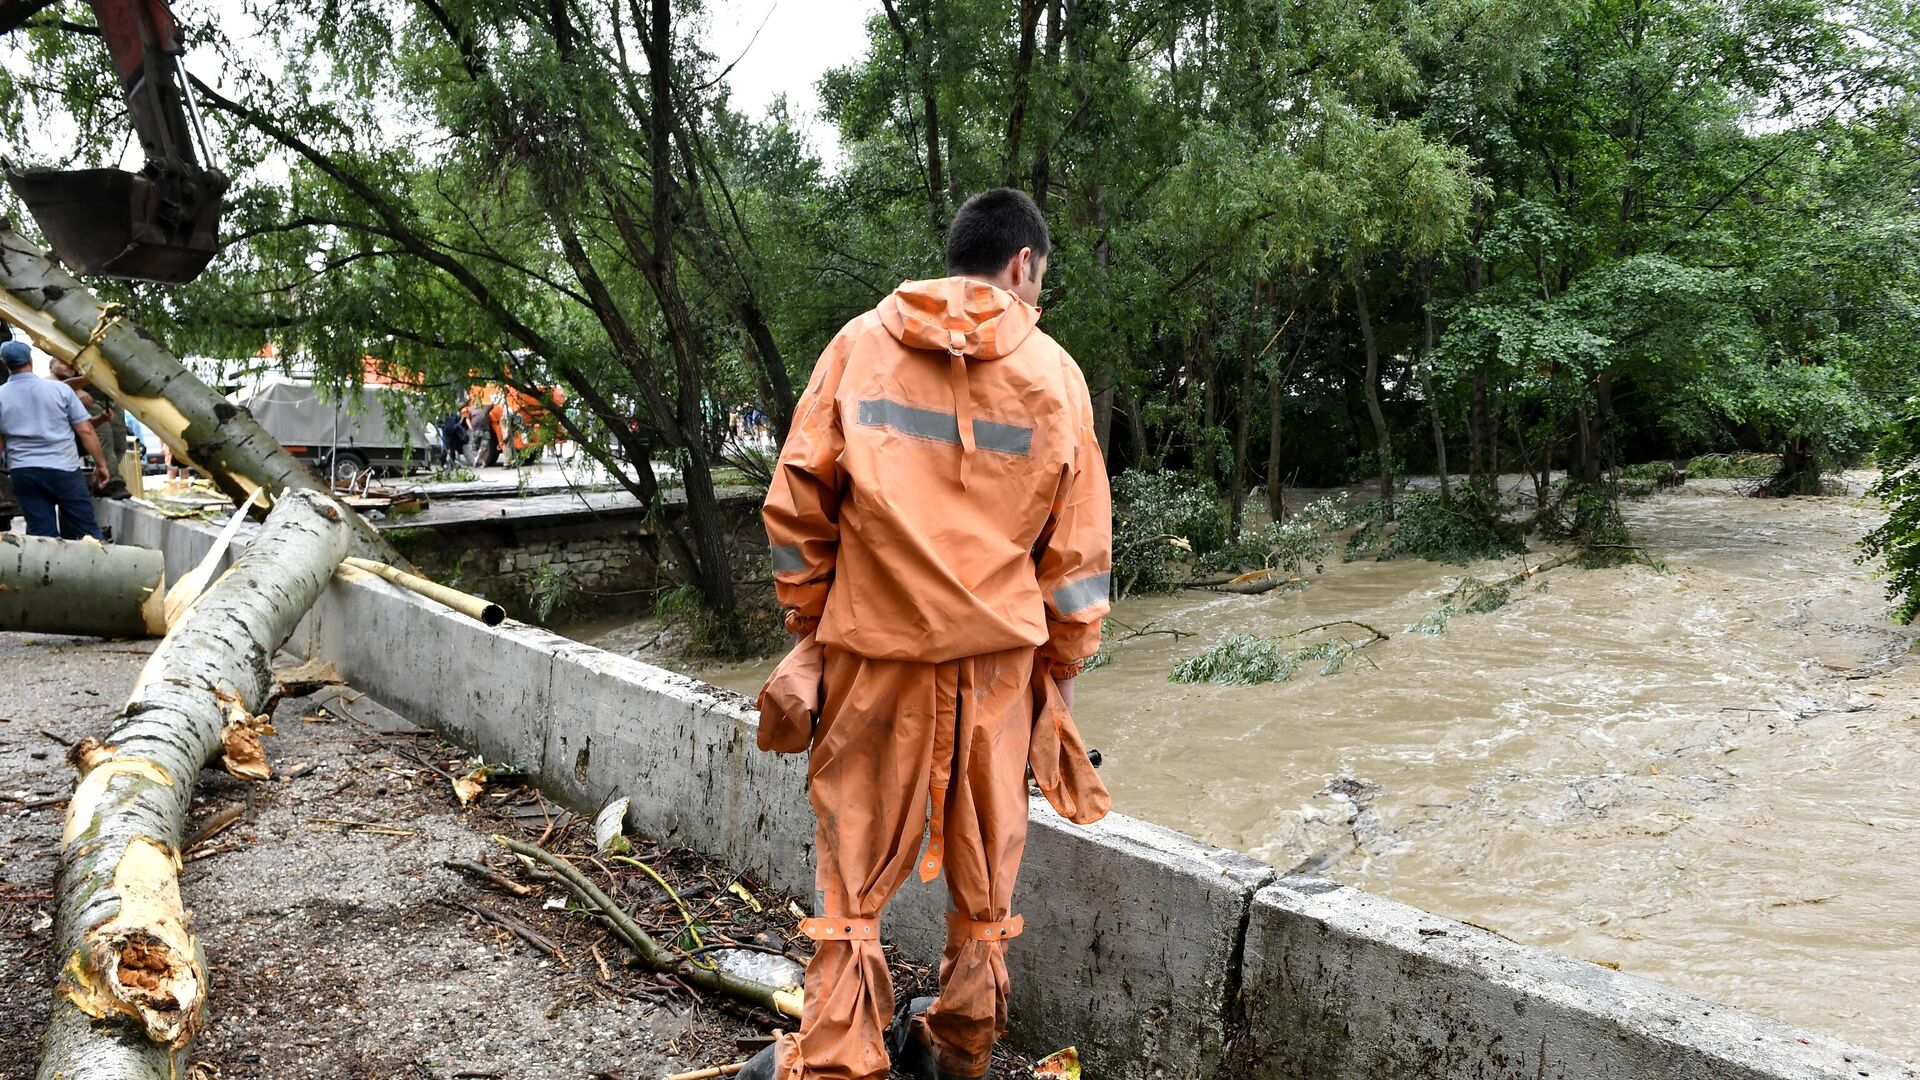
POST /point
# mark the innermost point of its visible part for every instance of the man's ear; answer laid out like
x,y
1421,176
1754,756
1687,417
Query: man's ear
x,y
1021,268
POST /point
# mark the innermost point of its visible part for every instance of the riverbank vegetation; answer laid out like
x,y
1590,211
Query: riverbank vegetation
x,y
1296,244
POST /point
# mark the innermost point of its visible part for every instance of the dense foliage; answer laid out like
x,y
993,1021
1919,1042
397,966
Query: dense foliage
x,y
1897,543
1296,243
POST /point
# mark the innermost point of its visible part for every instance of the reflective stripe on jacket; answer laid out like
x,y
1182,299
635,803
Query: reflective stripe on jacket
x,y
942,493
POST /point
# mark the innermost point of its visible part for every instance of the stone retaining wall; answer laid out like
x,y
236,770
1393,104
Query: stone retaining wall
x,y
1160,957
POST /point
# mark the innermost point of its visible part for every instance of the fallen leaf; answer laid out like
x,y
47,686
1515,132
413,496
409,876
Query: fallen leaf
x,y
740,891
1064,1064
608,836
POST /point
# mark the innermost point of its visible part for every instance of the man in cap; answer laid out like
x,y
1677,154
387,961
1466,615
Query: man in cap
x,y
108,419
39,419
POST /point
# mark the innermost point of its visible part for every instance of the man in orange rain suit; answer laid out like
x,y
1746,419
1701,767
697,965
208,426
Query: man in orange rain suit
x,y
941,539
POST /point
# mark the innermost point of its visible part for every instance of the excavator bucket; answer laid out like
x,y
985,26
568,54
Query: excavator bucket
x,y
127,225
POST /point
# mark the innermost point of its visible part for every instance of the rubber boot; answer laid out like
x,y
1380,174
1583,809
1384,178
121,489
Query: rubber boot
x,y
912,1056
759,1066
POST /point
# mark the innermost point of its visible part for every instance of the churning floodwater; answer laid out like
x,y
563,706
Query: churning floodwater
x,y
1705,772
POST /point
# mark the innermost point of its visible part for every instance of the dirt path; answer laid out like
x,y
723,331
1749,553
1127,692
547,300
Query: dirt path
x,y
337,950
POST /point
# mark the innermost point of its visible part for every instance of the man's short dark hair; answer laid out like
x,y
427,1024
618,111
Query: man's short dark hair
x,y
991,228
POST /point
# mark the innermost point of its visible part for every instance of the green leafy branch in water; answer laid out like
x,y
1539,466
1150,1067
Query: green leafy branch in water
x,y
1475,597
1734,466
551,587
1470,597
1460,529
1897,542
1642,480
1250,660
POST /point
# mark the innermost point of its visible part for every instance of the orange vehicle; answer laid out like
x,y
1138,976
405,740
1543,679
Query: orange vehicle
x,y
532,424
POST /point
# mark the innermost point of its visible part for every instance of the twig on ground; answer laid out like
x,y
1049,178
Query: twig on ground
x,y
489,875
651,952
710,1074
216,824
514,926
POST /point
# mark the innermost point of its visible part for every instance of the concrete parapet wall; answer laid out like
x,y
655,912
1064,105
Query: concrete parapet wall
x,y
1160,957
1342,984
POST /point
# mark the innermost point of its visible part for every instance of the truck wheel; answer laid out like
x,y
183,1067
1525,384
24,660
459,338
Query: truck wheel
x,y
347,467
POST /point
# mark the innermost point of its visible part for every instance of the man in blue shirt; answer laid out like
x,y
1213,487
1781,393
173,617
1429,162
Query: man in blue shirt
x,y
39,419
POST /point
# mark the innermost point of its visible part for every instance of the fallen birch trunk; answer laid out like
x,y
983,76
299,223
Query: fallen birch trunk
x,y
132,987
81,587
129,365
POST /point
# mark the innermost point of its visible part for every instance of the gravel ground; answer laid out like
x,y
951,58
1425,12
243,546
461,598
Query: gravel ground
x,y
334,949
340,944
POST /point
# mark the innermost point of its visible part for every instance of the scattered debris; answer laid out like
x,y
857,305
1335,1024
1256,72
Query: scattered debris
x,y
608,825
1063,1064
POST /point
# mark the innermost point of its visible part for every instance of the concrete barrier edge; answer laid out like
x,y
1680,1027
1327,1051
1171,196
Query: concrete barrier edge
x,y
1160,957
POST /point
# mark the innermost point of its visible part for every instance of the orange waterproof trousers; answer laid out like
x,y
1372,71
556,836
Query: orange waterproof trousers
x,y
903,752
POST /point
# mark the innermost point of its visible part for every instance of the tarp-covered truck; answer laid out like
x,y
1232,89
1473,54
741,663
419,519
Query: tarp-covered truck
x,y
374,427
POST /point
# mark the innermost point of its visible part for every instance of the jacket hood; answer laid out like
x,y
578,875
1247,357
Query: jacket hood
x,y
958,314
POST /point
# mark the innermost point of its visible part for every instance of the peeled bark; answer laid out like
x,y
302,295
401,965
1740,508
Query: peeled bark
x,y
129,365
132,988
53,586
473,607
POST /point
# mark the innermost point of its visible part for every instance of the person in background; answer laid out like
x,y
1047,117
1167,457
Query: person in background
x,y
109,421
39,421
479,432
453,440
496,415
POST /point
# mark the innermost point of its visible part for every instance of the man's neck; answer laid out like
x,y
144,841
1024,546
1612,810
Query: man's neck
x,y
23,373
1001,285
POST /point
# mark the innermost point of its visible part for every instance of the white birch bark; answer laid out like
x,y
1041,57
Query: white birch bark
x,y
131,992
53,586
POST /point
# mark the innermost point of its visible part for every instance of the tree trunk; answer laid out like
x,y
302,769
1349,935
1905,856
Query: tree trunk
x,y
1603,463
929,107
132,991
1200,363
1588,447
1029,18
1426,382
203,428
1243,417
1382,437
1439,434
1102,396
50,586
1479,421
1276,501
713,570
1042,163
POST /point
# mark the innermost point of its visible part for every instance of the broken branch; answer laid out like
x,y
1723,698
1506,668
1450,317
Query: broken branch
x,y
466,604
785,1002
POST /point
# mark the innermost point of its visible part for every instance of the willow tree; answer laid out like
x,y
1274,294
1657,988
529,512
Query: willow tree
x,y
493,193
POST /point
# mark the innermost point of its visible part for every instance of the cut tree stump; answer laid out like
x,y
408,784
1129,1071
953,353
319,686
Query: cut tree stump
x,y
53,586
132,367
132,987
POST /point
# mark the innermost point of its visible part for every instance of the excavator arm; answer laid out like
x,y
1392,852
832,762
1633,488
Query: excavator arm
x,y
161,223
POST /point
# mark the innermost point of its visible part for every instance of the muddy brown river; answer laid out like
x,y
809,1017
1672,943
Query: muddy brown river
x,y
1706,773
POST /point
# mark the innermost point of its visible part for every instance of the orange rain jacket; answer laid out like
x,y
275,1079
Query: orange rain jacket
x,y
903,549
